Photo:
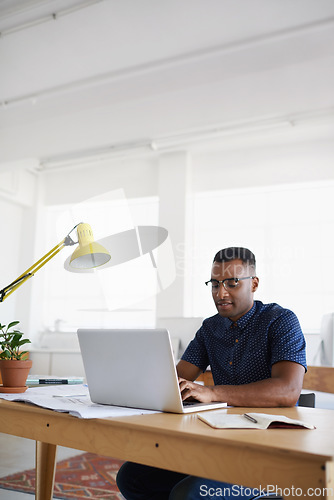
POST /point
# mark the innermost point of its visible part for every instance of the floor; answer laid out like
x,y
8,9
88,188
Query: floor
x,y
20,456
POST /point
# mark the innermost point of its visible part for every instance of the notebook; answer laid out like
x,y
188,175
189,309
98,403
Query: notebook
x,y
220,420
134,368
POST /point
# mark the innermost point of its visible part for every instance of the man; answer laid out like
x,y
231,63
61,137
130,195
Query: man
x,y
257,357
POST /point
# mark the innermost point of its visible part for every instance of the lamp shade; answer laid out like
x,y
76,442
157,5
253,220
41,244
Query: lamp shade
x,y
88,254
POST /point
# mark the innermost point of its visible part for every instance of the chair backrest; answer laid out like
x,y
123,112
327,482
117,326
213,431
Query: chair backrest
x,y
307,399
319,378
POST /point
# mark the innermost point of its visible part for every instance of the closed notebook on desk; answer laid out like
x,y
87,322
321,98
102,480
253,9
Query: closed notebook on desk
x,y
134,368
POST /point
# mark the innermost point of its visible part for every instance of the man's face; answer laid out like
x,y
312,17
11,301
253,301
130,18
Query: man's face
x,y
234,302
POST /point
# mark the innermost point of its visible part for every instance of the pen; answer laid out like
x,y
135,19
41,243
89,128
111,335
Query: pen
x,y
68,395
252,419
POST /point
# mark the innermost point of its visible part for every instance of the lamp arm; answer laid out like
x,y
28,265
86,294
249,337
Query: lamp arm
x,y
18,281
9,289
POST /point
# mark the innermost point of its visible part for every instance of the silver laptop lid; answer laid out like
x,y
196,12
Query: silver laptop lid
x,y
133,368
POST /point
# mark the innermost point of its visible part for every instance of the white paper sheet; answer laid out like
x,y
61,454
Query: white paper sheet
x,y
74,400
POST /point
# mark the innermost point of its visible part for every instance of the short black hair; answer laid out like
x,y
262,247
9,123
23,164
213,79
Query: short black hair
x,y
232,253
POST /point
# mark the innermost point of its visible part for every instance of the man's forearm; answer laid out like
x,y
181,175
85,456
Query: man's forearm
x,y
264,393
281,389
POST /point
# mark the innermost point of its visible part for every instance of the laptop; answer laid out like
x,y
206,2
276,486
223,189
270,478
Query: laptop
x,y
135,369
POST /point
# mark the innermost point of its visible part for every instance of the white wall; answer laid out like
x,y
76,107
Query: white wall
x,y
264,164
11,227
138,177
17,209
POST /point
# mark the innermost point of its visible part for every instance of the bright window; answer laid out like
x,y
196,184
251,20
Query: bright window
x,y
291,231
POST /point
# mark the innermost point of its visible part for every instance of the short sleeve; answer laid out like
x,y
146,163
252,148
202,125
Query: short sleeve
x,y
287,339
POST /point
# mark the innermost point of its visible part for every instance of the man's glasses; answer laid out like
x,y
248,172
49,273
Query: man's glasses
x,y
228,283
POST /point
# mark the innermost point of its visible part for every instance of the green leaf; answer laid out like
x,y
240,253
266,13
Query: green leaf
x,y
13,323
16,337
21,355
24,341
5,355
11,341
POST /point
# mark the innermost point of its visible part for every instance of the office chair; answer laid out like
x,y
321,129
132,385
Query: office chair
x,y
307,400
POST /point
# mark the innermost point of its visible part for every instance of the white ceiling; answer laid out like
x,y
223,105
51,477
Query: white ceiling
x,y
77,75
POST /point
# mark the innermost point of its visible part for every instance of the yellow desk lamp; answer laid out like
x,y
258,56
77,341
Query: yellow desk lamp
x,y
87,255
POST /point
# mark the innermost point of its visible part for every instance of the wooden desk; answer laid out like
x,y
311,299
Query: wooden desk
x,y
286,458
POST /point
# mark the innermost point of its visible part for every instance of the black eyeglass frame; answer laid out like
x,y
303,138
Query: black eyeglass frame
x,y
228,279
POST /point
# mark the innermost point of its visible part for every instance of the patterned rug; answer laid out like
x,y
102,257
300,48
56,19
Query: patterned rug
x,y
83,476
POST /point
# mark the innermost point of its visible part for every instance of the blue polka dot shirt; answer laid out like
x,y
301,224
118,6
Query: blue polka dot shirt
x,y
244,352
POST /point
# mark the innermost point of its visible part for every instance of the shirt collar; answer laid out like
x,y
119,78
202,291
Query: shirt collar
x,y
243,321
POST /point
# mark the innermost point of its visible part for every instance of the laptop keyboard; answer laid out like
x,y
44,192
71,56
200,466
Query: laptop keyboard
x,y
190,403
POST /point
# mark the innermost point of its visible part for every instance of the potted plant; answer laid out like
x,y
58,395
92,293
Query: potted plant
x,y
14,363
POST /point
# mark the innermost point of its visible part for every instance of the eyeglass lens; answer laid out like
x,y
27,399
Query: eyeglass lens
x,y
228,283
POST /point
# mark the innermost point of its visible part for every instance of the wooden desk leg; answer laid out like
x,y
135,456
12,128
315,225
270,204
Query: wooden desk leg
x,y
45,470
329,480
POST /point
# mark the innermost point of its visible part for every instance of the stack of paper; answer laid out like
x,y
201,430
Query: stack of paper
x,y
73,399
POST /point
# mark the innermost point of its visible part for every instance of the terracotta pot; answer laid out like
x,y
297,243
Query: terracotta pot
x,y
14,372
